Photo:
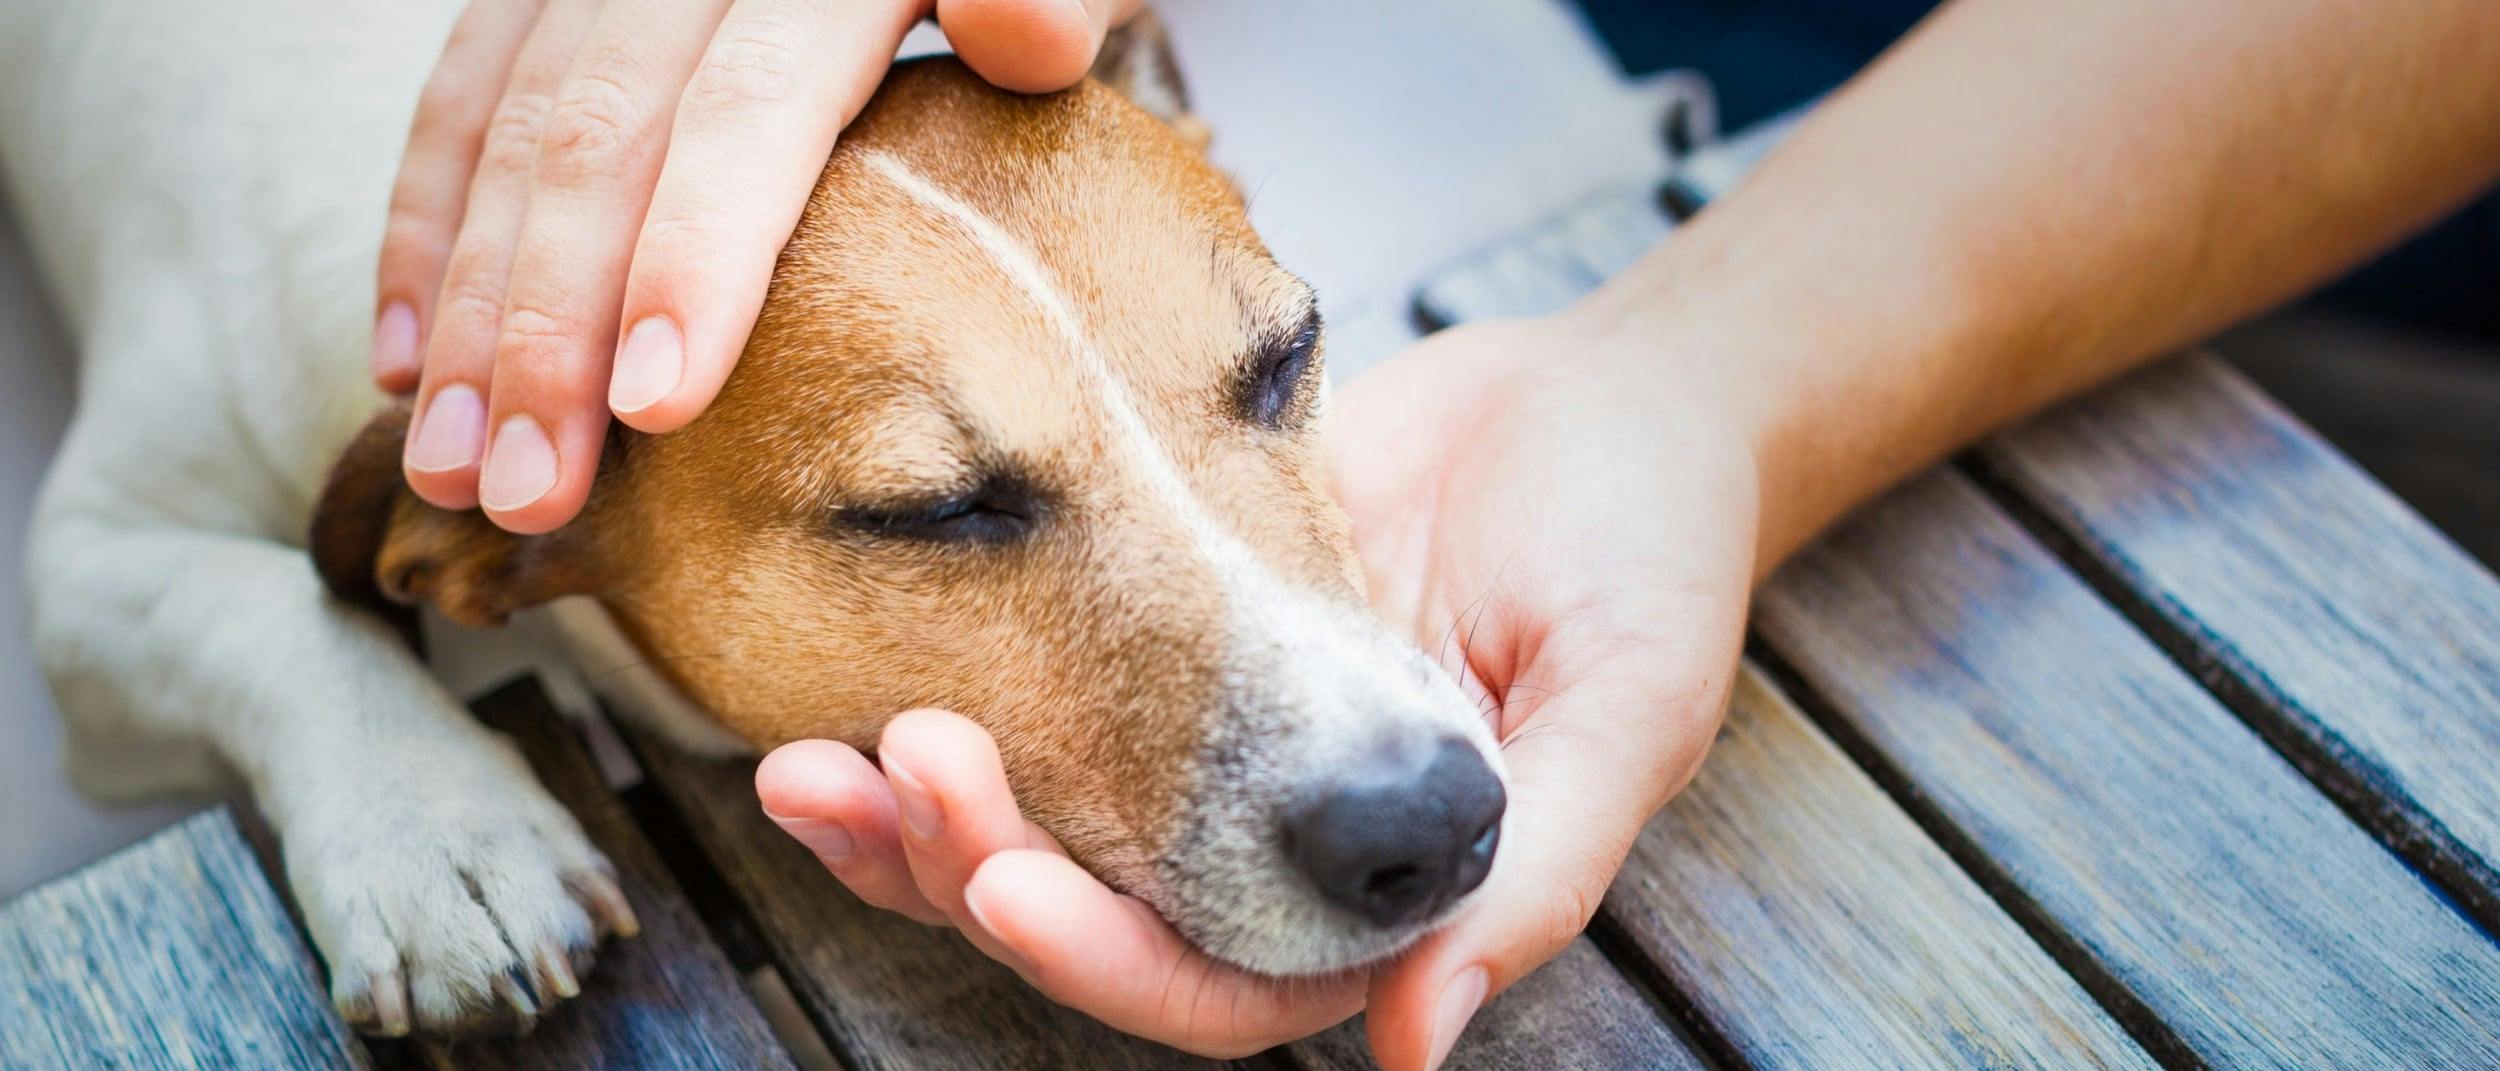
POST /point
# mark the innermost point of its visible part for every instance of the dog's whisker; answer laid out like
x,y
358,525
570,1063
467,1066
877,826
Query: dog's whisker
x,y
654,661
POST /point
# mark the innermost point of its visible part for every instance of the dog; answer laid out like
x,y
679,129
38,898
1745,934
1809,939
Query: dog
x,y
1030,428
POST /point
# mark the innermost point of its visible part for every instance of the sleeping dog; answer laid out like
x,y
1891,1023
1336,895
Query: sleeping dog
x,y
1029,429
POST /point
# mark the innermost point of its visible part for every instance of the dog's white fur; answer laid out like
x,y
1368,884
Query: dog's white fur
x,y
200,186
203,185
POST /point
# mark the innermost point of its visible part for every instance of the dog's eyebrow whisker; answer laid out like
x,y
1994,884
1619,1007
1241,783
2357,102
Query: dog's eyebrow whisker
x,y
655,660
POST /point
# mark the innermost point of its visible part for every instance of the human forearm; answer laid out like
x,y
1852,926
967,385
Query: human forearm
x,y
2023,199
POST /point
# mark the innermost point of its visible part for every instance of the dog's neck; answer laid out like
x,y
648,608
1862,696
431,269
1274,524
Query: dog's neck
x,y
617,670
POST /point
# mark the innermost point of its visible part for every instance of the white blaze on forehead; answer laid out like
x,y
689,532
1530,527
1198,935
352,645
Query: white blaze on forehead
x,y
1339,655
1020,266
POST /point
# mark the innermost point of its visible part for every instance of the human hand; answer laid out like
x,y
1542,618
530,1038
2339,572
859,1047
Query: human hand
x,y
1533,503
1571,526
579,169
936,835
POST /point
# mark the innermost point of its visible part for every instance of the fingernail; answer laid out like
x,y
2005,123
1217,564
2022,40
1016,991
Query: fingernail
x,y
1459,1000
520,468
395,341
919,808
452,431
980,917
823,836
648,366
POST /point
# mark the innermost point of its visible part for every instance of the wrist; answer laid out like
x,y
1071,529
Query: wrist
x,y
1836,384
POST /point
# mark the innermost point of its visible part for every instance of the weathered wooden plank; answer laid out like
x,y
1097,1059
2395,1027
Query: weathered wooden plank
x,y
2352,634
174,952
2188,874
1810,923
889,992
666,998
1576,1011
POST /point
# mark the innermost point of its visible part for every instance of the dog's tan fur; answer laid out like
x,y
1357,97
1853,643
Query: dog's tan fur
x,y
887,369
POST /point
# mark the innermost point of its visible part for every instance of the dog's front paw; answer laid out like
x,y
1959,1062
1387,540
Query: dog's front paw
x,y
451,895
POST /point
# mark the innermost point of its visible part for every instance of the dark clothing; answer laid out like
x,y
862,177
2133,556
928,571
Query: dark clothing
x,y
1765,56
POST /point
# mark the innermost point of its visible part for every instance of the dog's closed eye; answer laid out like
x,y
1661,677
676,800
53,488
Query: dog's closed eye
x,y
1272,388
999,510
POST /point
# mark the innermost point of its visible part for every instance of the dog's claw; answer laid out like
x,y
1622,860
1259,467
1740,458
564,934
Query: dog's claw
x,y
390,1004
517,997
609,907
555,975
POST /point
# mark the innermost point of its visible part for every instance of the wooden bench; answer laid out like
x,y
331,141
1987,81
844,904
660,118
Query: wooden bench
x,y
2152,733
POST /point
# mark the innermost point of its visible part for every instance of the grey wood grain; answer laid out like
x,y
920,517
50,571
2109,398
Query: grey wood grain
x,y
2347,630
173,953
1576,1011
887,991
666,998
2188,874
1810,923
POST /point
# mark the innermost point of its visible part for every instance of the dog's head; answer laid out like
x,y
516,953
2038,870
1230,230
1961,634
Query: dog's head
x,y
1029,429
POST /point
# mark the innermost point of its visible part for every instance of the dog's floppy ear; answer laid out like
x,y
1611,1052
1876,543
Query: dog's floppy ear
x,y
378,545
1136,59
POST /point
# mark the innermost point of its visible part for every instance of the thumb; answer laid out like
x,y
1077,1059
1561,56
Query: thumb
x,y
1586,772
1030,46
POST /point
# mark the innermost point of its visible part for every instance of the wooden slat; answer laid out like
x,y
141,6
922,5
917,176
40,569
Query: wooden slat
x,y
1575,1011
174,952
2188,873
889,992
2343,627
667,998
1812,924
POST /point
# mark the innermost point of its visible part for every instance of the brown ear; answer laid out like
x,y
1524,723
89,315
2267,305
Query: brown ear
x,y
1136,59
378,545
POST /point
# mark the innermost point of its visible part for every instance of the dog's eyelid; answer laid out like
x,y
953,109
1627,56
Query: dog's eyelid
x,y
995,508
1271,382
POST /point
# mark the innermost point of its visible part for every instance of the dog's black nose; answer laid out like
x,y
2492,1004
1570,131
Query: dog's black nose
x,y
1403,833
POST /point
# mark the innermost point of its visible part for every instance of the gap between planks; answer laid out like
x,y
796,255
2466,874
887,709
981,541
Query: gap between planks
x,y
2408,832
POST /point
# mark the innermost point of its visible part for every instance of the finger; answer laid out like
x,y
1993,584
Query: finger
x,y
1030,46
1562,843
1111,957
951,795
780,79
598,156
832,799
433,185
448,437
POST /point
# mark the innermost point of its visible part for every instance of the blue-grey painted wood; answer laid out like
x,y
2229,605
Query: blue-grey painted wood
x,y
1576,1011
2344,628
2187,873
172,953
667,998
1809,923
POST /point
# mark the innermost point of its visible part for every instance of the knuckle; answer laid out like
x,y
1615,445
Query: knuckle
x,y
674,236
512,133
469,301
757,68
588,133
532,340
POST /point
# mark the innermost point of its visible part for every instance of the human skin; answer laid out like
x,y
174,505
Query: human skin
x,y
2018,201
592,199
